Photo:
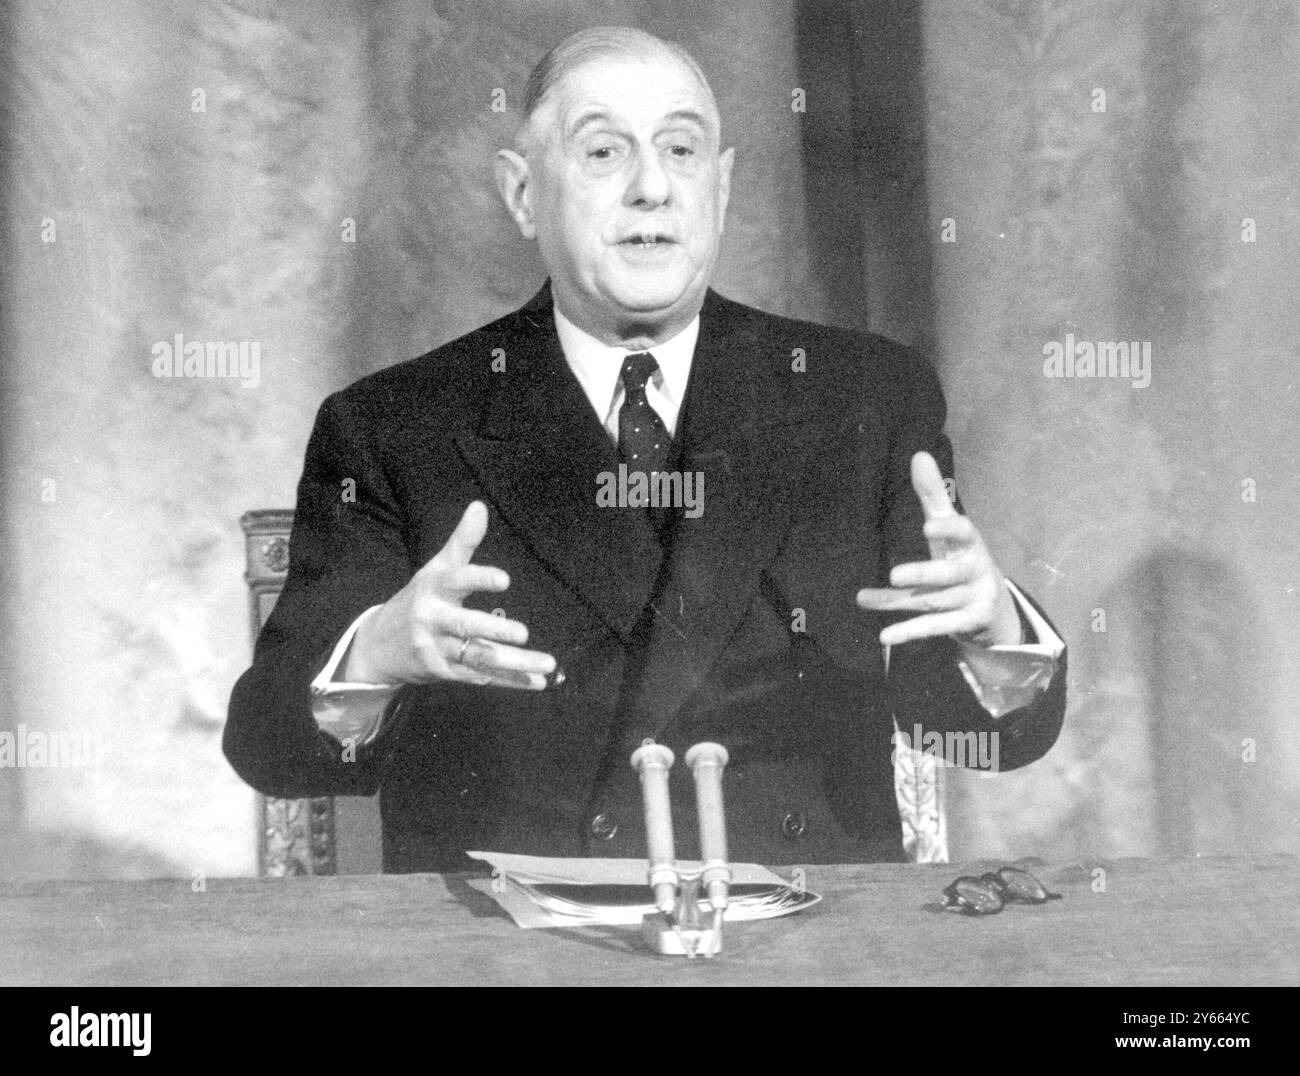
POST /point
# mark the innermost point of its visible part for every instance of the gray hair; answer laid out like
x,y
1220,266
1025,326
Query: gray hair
x,y
594,43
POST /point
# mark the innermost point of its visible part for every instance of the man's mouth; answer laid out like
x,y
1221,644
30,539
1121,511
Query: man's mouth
x,y
646,239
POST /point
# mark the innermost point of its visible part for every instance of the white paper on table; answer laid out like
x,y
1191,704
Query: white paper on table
x,y
538,891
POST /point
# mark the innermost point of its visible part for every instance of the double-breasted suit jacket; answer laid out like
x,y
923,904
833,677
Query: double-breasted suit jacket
x,y
737,624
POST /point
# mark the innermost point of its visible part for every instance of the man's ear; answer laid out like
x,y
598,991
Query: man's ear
x,y
516,191
725,160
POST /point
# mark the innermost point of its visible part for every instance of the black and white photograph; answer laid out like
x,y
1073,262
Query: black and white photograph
x,y
593,493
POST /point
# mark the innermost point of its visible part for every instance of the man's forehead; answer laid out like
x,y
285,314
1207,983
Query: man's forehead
x,y
654,88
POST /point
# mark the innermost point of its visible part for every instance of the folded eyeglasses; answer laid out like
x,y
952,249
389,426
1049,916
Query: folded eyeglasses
x,y
991,892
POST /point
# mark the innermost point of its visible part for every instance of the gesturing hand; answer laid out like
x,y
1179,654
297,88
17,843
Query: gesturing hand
x,y
420,634
959,591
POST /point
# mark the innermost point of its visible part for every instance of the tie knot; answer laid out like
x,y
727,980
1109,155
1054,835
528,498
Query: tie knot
x,y
637,370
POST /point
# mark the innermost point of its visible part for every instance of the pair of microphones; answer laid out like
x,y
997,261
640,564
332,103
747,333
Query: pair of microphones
x,y
706,761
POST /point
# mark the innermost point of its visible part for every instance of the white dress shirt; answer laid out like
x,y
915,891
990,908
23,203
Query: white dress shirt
x,y
597,367
1003,678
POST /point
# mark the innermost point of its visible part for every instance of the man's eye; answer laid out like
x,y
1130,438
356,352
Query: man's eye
x,y
682,151
601,153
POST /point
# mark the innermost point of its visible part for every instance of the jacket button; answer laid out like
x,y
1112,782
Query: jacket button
x,y
793,825
603,827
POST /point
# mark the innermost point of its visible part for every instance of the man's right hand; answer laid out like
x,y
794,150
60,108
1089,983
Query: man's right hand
x,y
419,634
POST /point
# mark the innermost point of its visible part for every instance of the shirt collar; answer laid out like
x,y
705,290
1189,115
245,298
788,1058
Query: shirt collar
x,y
596,366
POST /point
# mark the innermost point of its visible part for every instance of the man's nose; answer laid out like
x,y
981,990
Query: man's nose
x,y
650,184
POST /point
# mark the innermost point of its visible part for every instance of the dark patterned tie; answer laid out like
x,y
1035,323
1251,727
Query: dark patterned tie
x,y
643,439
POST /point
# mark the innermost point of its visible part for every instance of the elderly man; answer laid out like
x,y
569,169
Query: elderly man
x,y
633,510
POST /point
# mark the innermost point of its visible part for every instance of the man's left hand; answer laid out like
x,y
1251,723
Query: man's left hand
x,y
959,591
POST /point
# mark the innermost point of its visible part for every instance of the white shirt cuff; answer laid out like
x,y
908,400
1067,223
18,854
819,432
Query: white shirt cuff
x,y
349,711
1007,677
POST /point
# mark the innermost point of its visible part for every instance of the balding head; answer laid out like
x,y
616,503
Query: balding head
x,y
596,43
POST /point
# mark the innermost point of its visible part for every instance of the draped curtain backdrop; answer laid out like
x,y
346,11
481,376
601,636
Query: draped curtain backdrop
x,y
976,177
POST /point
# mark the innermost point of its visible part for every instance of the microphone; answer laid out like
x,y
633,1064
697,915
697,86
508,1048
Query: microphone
x,y
653,761
707,761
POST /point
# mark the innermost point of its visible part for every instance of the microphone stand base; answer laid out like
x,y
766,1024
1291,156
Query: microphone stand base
x,y
673,939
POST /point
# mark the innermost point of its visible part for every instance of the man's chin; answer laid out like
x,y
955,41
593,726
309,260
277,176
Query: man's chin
x,y
655,302
623,307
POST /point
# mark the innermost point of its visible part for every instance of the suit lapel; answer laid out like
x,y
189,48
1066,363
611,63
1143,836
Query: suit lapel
x,y
537,453
741,432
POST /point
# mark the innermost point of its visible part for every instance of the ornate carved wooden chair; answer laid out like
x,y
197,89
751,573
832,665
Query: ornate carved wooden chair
x,y
312,836
918,784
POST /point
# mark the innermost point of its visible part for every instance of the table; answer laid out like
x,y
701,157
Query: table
x,y
1213,921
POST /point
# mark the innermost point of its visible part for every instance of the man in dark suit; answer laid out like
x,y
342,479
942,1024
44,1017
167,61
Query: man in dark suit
x,y
483,617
